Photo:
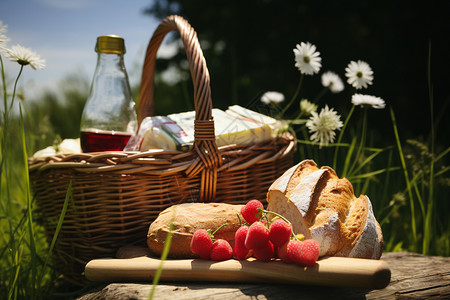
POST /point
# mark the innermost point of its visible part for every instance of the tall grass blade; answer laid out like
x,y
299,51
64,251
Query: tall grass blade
x,y
164,255
58,226
32,245
408,183
341,134
348,157
13,288
428,234
365,162
374,173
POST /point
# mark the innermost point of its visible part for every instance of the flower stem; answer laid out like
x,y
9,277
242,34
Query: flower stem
x,y
341,134
362,141
3,81
321,94
15,87
294,97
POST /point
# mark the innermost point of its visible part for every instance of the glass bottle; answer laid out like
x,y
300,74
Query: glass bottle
x,y
109,118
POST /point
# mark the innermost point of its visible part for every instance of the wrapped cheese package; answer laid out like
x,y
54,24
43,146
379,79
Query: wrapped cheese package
x,y
236,125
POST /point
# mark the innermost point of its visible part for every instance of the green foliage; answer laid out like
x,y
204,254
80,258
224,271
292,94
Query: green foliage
x,y
25,254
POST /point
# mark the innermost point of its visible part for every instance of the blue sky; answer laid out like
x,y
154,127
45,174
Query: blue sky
x,y
64,32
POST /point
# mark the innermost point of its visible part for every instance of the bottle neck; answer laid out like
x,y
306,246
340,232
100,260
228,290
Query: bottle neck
x,y
110,60
110,69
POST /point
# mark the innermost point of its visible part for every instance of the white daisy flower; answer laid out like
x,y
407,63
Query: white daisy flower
x,y
3,38
307,60
359,74
25,56
368,100
332,81
3,28
272,97
323,125
307,107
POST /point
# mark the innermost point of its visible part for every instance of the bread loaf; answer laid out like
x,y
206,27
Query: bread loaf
x,y
323,206
186,219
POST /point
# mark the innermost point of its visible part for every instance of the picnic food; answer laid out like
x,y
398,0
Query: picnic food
x,y
279,232
306,200
264,253
187,218
250,212
322,206
257,236
237,125
304,253
256,240
201,243
239,249
221,250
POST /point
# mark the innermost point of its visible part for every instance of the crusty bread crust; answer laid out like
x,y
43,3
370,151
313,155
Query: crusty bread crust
x,y
304,196
288,210
304,168
188,218
369,242
342,224
290,179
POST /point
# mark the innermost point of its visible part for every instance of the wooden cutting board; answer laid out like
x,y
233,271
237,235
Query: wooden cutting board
x,y
332,271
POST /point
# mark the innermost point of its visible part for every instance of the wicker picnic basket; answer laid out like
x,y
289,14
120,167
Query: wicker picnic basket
x,y
116,195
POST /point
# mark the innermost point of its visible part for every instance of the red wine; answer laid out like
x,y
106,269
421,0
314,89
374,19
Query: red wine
x,y
95,141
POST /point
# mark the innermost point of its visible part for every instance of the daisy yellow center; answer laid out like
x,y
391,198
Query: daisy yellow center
x,y
359,74
327,123
306,59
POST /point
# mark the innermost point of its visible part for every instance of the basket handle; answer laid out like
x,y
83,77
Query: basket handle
x,y
209,158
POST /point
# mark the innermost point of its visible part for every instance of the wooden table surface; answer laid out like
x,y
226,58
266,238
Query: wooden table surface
x,y
413,276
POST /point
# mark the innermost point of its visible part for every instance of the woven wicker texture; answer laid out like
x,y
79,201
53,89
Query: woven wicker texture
x,y
116,195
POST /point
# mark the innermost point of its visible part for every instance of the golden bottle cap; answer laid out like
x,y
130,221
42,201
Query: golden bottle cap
x,y
110,44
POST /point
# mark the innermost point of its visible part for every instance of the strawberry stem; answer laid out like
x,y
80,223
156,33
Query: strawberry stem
x,y
283,218
223,225
276,214
240,221
212,233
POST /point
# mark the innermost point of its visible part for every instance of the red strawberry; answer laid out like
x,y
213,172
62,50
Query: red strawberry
x,y
239,250
251,212
304,253
279,232
240,253
282,253
257,236
221,250
240,235
264,253
201,243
